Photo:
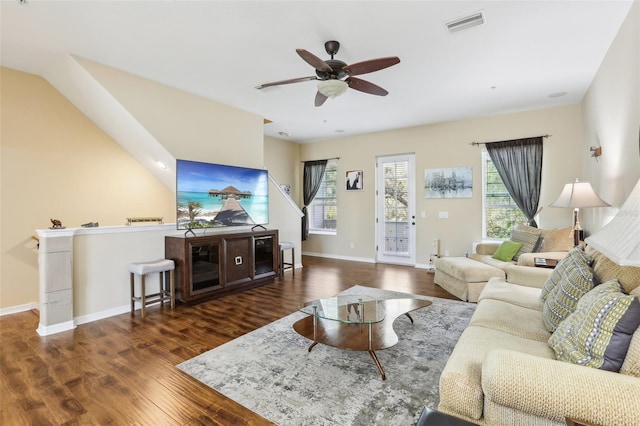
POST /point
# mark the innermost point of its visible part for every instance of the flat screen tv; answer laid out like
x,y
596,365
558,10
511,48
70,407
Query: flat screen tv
x,y
216,195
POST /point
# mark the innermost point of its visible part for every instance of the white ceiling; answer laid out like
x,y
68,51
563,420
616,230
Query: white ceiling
x,y
526,51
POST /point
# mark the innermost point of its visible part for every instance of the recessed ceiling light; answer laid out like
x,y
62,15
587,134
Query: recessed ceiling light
x,y
161,165
339,130
557,94
285,134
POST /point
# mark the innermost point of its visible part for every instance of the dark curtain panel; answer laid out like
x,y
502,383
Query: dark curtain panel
x,y
519,163
312,178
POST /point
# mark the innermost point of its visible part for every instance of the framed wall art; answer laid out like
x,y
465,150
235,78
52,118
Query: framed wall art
x,y
354,180
453,182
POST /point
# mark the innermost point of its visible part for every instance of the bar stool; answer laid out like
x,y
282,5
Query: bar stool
x,y
160,266
285,245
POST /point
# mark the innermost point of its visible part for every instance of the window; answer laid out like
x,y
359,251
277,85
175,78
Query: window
x,y
500,213
323,211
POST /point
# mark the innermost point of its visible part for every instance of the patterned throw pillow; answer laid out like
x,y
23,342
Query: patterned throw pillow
x,y
529,241
573,279
576,255
598,333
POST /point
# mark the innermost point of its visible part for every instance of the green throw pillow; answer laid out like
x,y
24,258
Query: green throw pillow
x,y
507,250
599,332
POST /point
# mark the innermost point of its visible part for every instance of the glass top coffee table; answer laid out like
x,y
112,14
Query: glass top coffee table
x,y
355,322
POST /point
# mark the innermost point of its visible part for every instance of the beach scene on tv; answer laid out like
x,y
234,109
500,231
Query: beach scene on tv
x,y
216,195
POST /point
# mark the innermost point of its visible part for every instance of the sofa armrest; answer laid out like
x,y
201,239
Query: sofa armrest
x,y
487,248
555,389
527,275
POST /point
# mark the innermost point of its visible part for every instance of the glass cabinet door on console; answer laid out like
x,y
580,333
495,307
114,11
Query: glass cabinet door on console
x,y
205,267
263,247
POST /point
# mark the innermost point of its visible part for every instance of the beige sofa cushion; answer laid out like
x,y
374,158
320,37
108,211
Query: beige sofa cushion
x,y
604,270
488,260
556,239
467,269
512,319
631,364
460,382
499,289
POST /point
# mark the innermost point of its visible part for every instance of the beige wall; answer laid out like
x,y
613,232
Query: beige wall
x,y
444,145
57,164
190,127
282,158
611,111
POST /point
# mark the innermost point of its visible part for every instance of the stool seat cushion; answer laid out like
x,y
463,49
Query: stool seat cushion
x,y
285,245
144,268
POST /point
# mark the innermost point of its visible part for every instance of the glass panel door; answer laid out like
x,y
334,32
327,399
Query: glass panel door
x,y
395,209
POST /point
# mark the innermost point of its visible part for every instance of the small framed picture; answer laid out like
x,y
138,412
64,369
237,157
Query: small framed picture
x,y
354,180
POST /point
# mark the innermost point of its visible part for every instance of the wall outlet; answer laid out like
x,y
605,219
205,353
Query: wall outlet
x,y
446,253
352,245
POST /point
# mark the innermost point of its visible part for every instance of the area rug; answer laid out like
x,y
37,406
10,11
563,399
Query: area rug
x,y
270,371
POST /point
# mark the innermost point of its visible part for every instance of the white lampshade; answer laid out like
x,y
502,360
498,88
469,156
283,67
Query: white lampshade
x,y
619,240
332,88
577,195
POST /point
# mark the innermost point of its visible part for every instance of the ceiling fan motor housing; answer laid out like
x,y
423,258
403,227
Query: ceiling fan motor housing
x,y
337,73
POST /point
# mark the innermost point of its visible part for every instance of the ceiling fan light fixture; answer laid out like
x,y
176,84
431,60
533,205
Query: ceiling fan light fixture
x,y
332,88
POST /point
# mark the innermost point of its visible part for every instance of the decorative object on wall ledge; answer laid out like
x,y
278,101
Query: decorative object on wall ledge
x,y
57,224
576,195
619,239
90,225
286,188
354,180
596,151
454,182
157,219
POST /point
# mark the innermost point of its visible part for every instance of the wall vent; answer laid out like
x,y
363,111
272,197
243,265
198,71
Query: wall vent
x,y
466,22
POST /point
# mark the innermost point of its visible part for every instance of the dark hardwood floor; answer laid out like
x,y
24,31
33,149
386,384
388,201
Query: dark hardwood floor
x,y
121,370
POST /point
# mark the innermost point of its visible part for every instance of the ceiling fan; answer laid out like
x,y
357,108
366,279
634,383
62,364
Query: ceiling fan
x,y
335,76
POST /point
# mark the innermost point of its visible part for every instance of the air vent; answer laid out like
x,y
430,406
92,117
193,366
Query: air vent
x,y
466,22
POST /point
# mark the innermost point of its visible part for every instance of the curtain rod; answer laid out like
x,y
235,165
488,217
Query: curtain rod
x,y
332,158
484,143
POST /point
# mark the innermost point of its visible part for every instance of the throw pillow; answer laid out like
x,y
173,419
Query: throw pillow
x,y
507,250
598,333
575,279
529,241
576,256
558,239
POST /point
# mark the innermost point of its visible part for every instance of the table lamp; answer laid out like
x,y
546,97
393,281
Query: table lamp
x,y
576,195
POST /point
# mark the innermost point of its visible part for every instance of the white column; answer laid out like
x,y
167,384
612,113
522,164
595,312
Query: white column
x,y
55,259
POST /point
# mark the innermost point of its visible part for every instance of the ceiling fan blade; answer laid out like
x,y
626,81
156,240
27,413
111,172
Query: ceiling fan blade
x,y
314,61
365,86
320,98
371,65
281,82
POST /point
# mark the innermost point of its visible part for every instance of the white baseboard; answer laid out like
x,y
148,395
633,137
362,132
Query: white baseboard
x,y
83,319
20,308
46,330
338,257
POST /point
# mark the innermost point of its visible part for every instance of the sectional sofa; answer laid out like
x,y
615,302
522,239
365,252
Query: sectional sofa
x,y
508,368
466,277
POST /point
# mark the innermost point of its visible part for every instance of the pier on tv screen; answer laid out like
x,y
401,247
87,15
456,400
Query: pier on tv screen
x,y
216,195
